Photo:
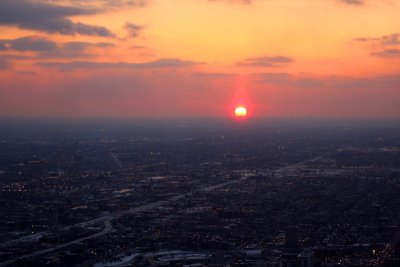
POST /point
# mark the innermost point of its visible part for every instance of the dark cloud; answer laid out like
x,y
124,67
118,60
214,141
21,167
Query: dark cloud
x,y
133,29
28,43
105,3
275,61
365,39
388,53
84,29
83,46
31,43
387,46
354,2
138,47
393,39
386,40
160,63
246,2
45,48
49,18
124,3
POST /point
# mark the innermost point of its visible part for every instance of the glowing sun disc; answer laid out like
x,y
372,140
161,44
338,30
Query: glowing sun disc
x,y
240,111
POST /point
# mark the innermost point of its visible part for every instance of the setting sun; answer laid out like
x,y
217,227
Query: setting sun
x,y
240,112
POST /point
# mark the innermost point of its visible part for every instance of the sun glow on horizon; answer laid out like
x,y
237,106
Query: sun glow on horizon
x,y
240,112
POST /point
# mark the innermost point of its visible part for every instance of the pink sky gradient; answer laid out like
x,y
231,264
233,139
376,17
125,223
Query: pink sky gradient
x,y
182,58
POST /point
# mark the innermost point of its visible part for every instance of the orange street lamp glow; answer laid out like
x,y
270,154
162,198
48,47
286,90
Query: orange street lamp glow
x,y
240,112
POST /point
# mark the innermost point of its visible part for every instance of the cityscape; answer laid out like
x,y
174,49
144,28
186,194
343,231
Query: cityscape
x,y
203,192
200,133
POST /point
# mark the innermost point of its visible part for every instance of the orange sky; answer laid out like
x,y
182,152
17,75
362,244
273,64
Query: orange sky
x,y
156,58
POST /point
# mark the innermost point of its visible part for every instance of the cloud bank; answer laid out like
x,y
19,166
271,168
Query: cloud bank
x,y
49,18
